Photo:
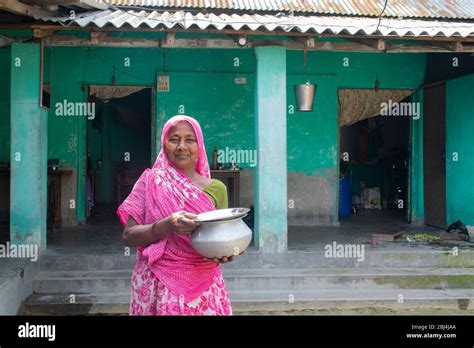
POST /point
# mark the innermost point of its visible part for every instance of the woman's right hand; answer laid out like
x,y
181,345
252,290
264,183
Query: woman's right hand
x,y
182,222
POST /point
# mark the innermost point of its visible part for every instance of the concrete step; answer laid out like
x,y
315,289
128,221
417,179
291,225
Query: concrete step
x,y
449,301
80,282
83,304
16,283
373,258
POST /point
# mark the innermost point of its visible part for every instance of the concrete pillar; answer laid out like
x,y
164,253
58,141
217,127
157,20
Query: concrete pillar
x,y
28,189
271,226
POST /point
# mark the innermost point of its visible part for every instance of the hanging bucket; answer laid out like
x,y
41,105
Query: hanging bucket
x,y
304,96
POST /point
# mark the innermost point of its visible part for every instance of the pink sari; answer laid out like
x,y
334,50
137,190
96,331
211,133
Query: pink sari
x,y
170,277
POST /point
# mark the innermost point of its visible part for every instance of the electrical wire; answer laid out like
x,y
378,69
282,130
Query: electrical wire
x,y
380,16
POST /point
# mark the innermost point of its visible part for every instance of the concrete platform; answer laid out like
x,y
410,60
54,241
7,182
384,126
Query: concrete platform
x,y
306,290
16,283
91,263
310,302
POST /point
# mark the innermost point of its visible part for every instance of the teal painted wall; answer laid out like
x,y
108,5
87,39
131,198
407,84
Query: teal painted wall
x,y
404,70
415,180
313,137
66,134
203,80
459,139
222,107
319,142
4,104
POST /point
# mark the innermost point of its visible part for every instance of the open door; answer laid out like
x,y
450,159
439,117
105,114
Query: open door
x,y
434,155
118,147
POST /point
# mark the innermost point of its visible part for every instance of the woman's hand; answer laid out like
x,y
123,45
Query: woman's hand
x,y
182,222
224,259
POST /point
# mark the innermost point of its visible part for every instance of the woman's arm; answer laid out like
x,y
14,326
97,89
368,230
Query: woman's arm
x,y
142,235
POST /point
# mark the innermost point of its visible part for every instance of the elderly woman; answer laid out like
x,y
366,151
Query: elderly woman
x,y
170,277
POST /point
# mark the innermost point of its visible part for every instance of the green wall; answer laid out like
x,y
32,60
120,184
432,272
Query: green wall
x,y
312,136
460,139
222,107
203,80
4,104
404,70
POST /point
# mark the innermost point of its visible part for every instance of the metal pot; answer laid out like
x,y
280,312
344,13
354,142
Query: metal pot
x,y
221,238
304,96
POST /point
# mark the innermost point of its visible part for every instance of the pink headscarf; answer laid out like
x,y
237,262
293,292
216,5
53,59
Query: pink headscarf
x,y
158,193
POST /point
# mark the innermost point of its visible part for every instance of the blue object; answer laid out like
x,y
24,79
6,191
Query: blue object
x,y
344,197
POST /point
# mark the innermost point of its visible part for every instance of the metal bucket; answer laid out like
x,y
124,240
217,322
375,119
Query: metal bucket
x,y
304,96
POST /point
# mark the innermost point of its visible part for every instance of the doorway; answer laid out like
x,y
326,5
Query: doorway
x,y
118,151
374,157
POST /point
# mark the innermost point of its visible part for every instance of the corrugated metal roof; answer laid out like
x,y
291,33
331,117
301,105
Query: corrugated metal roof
x,y
395,8
314,24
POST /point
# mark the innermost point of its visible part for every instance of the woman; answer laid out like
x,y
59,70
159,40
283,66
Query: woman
x,y
170,278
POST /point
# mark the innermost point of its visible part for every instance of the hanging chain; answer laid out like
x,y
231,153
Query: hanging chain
x,y
305,67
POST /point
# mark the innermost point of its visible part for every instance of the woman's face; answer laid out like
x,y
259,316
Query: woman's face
x,y
181,145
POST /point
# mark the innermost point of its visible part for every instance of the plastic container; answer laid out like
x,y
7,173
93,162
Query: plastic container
x,y
344,197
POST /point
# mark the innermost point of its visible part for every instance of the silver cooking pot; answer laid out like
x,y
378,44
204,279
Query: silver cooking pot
x,y
221,238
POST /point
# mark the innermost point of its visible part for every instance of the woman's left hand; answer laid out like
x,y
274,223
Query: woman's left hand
x,y
222,260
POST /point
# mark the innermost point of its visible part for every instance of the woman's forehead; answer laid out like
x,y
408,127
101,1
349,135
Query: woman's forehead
x,y
181,127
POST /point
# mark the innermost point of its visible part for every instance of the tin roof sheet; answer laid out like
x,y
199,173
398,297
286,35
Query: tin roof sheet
x,y
266,22
394,8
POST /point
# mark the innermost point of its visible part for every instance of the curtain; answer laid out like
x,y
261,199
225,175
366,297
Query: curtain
x,y
359,104
109,92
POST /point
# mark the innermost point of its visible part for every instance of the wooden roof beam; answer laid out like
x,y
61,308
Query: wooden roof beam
x,y
98,36
453,46
305,41
91,3
43,33
170,38
249,33
49,2
377,44
19,8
